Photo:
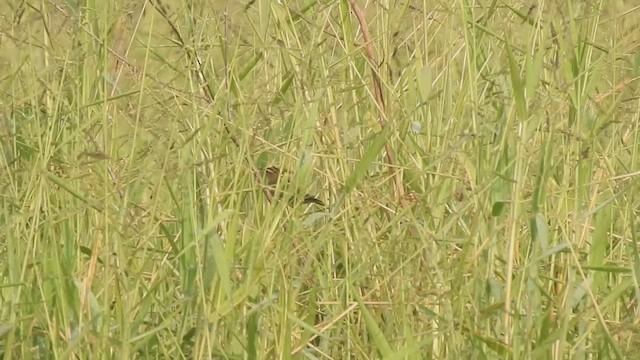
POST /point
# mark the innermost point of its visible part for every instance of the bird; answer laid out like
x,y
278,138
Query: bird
x,y
271,178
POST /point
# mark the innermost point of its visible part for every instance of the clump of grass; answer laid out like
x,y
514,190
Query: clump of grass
x,y
477,163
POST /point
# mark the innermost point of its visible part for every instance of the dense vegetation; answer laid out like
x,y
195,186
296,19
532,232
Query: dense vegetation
x,y
477,160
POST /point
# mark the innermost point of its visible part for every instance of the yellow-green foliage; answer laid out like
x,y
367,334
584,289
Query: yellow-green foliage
x,y
133,141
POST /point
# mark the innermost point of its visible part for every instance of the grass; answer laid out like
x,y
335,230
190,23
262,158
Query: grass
x,y
481,204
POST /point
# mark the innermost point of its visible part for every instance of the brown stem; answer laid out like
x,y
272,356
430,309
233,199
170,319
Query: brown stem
x,y
378,94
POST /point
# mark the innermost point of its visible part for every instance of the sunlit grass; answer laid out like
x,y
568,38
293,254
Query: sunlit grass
x,y
134,225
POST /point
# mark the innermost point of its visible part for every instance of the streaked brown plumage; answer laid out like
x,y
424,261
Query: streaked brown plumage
x,y
271,176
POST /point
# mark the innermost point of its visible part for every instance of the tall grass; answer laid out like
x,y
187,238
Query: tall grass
x,y
481,206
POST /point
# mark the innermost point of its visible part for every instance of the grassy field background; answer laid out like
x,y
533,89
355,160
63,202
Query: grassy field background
x,y
482,206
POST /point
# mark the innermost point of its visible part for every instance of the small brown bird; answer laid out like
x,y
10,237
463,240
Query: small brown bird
x,y
272,175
